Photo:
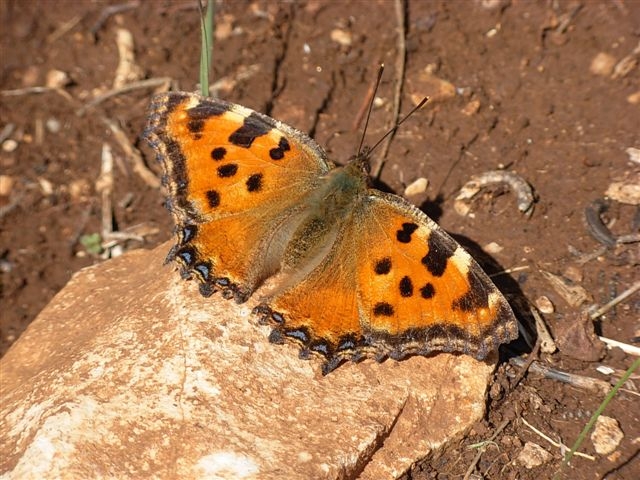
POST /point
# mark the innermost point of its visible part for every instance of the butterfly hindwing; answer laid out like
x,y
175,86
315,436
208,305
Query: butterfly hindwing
x,y
406,287
418,290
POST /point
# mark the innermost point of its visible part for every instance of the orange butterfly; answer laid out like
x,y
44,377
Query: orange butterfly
x,y
361,273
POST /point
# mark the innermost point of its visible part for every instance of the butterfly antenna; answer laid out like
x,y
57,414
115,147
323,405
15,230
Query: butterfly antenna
x,y
394,128
366,122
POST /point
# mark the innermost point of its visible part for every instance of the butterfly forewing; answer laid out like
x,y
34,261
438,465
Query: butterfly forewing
x,y
236,182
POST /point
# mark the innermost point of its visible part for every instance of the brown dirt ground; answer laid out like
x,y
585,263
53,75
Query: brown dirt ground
x,y
526,101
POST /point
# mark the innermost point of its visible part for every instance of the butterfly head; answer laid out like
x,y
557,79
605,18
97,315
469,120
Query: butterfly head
x,y
359,165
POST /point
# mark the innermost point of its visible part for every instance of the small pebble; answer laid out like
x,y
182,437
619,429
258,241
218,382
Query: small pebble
x,y
426,84
634,98
53,125
79,189
544,305
626,191
606,435
116,251
224,26
45,185
603,369
493,32
57,79
602,64
9,145
492,248
342,37
471,108
533,455
6,185
416,187
573,273
5,266
634,154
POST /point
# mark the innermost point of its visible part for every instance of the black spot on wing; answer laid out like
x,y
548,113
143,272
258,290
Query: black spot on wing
x,y
278,152
404,235
300,334
427,291
227,170
383,309
207,109
477,296
321,346
203,269
441,248
218,153
213,198
252,128
254,183
196,127
347,342
173,100
201,112
406,287
382,266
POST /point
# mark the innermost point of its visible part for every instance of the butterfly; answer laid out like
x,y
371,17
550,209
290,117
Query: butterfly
x,y
359,273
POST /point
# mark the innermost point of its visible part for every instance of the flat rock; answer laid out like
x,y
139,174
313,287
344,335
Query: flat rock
x,y
130,373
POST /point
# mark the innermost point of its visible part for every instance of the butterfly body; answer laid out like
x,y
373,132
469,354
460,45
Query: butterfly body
x,y
325,210
361,273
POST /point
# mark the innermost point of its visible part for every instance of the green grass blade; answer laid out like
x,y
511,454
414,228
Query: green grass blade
x,y
206,26
583,434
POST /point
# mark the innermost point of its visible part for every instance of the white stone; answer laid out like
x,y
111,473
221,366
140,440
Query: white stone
x,y
606,435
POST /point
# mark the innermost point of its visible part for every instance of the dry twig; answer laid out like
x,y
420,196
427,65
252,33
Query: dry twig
x,y
476,459
41,89
623,296
133,154
563,448
127,70
525,367
149,83
547,344
523,191
625,347
112,10
63,29
104,186
401,57
592,384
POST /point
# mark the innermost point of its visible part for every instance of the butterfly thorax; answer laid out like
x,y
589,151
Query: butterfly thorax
x,y
325,210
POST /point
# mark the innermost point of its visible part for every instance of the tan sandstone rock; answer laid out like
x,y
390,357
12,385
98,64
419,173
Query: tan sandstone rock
x,y
130,373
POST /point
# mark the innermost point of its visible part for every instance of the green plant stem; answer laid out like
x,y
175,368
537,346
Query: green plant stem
x,y
583,434
206,24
